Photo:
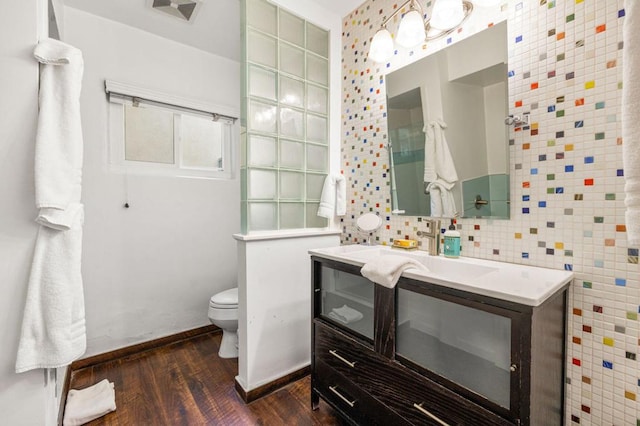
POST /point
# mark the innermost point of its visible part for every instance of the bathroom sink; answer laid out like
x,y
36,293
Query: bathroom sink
x,y
524,284
454,269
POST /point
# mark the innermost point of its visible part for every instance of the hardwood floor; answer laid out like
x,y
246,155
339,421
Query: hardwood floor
x,y
186,383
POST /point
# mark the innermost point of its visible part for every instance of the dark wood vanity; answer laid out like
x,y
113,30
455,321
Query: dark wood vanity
x,y
426,354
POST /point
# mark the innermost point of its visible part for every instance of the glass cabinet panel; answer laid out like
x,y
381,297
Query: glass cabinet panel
x,y
468,346
347,299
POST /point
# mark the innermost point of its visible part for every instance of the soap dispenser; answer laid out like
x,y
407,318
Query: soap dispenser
x,y
452,241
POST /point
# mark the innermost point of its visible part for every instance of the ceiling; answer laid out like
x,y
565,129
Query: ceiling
x,y
215,27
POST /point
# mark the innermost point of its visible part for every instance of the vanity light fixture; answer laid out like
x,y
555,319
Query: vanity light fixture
x,y
446,16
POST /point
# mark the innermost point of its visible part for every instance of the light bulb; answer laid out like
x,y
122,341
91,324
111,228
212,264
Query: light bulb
x,y
446,14
411,30
381,49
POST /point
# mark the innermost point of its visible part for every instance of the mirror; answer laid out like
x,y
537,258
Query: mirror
x,y
369,223
448,142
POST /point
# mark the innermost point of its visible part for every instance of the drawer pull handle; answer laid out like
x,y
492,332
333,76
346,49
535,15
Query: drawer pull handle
x,y
342,397
349,363
431,416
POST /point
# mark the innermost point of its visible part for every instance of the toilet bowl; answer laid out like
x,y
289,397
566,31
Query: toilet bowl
x,y
223,312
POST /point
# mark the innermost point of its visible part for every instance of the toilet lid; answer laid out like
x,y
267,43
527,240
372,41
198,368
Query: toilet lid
x,y
227,297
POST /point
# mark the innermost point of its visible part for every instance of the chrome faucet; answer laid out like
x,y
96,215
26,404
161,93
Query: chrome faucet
x,y
432,235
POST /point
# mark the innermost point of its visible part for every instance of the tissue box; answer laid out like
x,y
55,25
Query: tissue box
x,y
405,244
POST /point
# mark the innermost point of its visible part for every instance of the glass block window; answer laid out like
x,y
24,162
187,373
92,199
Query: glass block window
x,y
285,118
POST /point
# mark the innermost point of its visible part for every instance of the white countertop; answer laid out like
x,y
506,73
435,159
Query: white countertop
x,y
527,285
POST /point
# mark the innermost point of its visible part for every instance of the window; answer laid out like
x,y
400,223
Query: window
x,y
161,137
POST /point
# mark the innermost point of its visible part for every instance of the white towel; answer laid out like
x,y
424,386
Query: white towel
x,y
631,120
442,202
53,325
386,269
89,403
58,160
438,163
345,314
334,197
61,220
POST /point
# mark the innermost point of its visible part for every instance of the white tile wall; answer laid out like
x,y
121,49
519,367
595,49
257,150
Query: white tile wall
x,y
567,200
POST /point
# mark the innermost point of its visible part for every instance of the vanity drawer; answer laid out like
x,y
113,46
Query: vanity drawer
x,y
341,352
421,400
355,404
395,385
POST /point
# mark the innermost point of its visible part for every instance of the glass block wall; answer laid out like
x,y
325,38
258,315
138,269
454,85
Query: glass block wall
x,y
285,110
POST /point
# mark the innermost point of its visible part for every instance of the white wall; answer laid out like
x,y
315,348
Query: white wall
x,y
274,283
150,270
22,396
458,54
495,105
275,307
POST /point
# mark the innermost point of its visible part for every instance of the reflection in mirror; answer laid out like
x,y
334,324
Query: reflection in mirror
x,y
448,144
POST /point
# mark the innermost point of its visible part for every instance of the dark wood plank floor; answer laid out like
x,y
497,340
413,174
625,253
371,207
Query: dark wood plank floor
x,y
186,383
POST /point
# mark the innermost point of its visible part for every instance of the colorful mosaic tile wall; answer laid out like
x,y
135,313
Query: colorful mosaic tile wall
x,y
567,200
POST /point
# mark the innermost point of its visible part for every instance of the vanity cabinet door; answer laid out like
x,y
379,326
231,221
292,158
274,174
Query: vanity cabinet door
x,y
473,348
344,297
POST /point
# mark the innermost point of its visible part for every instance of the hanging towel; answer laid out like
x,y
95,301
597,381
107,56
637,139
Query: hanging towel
x,y
53,328
386,269
631,120
442,201
334,197
438,163
90,403
58,160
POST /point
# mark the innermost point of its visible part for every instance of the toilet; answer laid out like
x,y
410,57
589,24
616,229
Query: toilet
x,y
223,312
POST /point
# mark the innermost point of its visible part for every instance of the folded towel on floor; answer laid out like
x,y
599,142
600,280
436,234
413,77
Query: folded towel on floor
x,y
631,120
386,269
345,314
90,403
334,197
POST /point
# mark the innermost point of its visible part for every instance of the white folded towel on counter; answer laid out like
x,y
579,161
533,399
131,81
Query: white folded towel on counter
x,y
386,269
90,403
345,314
